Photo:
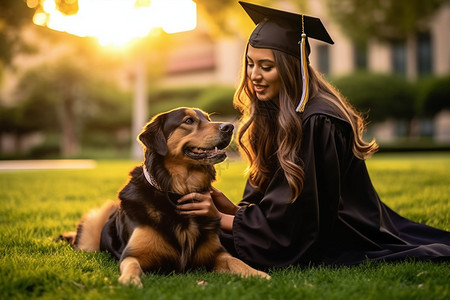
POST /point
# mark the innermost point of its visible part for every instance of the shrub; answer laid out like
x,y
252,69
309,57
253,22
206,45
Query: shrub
x,y
51,148
8,119
434,95
217,99
380,95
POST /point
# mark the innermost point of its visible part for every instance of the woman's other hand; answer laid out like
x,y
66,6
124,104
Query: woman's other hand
x,y
222,203
199,204
207,204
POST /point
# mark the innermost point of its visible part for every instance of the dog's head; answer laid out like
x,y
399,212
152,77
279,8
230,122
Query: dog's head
x,y
185,138
187,134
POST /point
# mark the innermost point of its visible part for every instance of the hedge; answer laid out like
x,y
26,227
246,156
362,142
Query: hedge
x,y
379,95
216,99
434,95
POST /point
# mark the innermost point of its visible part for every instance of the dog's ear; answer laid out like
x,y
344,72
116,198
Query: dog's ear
x,y
152,136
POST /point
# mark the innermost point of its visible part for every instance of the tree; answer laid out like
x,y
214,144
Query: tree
x,y
50,100
69,101
382,19
13,15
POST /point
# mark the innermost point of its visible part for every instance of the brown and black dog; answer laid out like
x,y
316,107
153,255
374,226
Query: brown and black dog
x,y
143,229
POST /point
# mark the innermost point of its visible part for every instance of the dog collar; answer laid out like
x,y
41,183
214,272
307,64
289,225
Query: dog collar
x,y
150,179
171,197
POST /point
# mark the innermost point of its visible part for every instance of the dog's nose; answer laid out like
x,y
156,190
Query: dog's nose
x,y
226,127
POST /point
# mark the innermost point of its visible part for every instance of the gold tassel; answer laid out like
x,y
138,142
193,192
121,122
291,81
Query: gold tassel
x,y
304,69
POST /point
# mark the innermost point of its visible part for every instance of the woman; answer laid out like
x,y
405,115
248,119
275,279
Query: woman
x,y
309,198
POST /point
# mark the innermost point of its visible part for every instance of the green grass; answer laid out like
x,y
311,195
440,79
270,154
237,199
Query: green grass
x,y
37,206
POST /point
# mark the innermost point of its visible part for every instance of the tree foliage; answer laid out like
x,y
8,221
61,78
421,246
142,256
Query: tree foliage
x,y
13,14
67,7
382,19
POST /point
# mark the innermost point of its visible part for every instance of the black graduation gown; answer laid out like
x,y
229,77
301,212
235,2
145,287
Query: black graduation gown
x,y
337,219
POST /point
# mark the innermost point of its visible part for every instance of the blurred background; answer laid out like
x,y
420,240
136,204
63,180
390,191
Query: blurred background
x,y
79,78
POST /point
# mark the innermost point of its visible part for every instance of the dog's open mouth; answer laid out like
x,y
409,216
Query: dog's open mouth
x,y
213,155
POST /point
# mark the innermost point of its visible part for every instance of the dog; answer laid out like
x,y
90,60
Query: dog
x,y
143,229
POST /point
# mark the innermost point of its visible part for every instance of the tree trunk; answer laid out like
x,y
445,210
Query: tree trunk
x,y
69,143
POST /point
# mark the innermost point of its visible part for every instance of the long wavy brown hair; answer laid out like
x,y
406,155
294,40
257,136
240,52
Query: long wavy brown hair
x,y
270,133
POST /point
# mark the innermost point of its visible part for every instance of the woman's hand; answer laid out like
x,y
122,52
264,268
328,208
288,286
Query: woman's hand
x,y
206,204
199,204
222,203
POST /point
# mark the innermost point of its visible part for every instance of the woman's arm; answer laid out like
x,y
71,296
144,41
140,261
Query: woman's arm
x,y
226,222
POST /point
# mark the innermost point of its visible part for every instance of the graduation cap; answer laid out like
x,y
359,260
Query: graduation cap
x,y
286,32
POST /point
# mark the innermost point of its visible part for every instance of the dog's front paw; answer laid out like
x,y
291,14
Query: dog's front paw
x,y
131,280
259,273
225,263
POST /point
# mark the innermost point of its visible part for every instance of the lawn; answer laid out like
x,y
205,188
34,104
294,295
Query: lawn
x,y
36,206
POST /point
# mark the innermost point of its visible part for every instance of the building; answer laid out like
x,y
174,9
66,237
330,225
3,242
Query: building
x,y
203,60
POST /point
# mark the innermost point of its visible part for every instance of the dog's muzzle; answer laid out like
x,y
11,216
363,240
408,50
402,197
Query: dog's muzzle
x,y
216,153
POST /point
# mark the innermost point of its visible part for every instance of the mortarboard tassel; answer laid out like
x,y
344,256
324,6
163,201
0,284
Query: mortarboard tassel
x,y
304,69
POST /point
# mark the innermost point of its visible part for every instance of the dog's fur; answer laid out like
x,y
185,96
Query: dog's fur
x,y
143,228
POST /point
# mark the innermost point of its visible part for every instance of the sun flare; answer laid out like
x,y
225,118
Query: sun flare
x,y
118,22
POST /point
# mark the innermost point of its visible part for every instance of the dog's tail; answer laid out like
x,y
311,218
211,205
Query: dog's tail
x,y
87,236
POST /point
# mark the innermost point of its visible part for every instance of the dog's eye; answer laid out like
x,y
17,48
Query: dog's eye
x,y
189,121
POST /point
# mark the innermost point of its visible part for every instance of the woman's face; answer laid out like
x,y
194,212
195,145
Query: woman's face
x,y
263,73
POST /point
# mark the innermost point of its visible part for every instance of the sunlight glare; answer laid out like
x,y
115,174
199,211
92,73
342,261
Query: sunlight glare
x,y
119,22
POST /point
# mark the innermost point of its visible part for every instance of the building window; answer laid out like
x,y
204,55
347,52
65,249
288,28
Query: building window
x,y
399,57
424,54
360,56
324,59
